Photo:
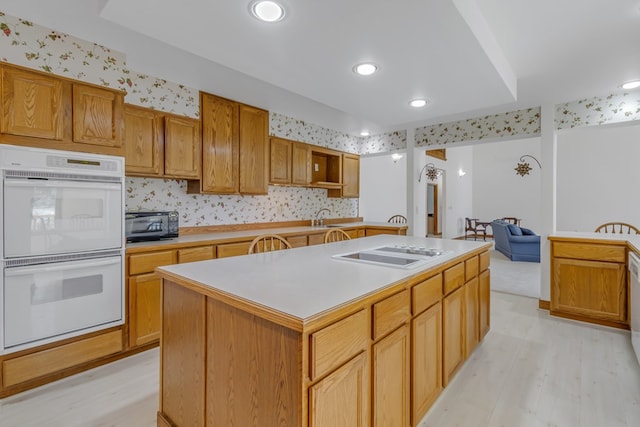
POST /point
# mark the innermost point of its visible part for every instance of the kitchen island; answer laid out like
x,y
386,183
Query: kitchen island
x,y
301,338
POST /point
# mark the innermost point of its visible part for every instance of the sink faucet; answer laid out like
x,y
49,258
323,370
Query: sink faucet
x,y
318,221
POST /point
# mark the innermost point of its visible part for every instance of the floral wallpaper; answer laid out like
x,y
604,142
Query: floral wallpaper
x,y
384,142
160,94
596,111
281,204
513,123
27,44
299,130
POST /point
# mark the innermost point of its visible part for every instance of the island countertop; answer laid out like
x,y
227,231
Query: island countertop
x,y
296,285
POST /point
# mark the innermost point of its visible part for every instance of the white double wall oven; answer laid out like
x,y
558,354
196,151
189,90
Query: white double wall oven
x,y
63,245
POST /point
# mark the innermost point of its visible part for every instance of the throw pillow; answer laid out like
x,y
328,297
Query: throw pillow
x,y
527,232
515,230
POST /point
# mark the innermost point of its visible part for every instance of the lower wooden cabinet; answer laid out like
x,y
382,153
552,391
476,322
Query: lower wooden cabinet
x,y
144,309
392,380
484,296
144,295
589,282
426,361
472,315
593,289
342,398
453,333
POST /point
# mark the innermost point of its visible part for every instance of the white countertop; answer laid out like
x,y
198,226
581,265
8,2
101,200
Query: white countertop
x,y
632,239
307,281
234,235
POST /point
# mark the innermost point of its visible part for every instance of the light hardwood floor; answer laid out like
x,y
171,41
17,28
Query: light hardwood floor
x,y
531,370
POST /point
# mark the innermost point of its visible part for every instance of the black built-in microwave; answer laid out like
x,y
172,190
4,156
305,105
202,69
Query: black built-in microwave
x,y
150,225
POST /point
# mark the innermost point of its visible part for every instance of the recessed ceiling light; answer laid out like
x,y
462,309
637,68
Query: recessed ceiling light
x,y
364,133
631,85
365,69
417,103
267,10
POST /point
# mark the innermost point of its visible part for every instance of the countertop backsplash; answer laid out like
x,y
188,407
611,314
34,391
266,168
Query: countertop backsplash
x,y
281,204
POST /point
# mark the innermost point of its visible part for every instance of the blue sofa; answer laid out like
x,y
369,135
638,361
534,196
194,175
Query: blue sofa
x,y
516,243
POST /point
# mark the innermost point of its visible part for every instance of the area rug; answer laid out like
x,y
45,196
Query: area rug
x,y
514,277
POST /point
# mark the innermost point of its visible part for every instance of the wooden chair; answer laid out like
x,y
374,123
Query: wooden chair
x,y
268,243
475,229
618,228
511,220
335,235
398,219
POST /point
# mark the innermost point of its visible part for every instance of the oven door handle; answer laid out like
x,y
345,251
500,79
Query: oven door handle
x,y
60,266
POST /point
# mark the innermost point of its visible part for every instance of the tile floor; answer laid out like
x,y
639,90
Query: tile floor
x,y
531,370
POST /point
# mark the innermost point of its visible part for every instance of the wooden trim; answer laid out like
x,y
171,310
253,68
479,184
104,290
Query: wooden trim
x,y
588,319
162,421
440,153
260,225
19,388
543,304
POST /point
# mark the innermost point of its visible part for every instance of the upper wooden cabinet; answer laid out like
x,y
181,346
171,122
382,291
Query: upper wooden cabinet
x,y
159,144
234,148
143,142
290,162
42,110
182,147
306,165
300,164
350,177
98,116
280,167
254,155
31,104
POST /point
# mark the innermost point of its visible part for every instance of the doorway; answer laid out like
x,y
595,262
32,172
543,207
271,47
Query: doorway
x,y
433,211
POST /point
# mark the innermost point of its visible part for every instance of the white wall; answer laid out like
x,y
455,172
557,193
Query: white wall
x,y
596,176
498,191
383,187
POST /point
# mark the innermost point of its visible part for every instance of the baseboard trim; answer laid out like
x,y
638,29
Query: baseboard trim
x,y
543,304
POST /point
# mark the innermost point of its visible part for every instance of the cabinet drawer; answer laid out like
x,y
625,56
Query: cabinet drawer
x,y
470,268
146,263
297,241
233,249
484,260
338,342
425,294
196,254
30,366
453,277
611,253
390,313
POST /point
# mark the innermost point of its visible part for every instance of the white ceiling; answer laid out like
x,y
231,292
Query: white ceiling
x,y
468,57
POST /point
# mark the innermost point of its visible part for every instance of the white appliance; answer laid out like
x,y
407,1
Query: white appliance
x,y
634,295
62,252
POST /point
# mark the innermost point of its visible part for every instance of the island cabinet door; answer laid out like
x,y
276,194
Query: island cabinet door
x,y
453,333
472,315
391,380
426,360
342,398
484,294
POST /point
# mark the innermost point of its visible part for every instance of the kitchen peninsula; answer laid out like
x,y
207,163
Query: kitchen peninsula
x,y
301,338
